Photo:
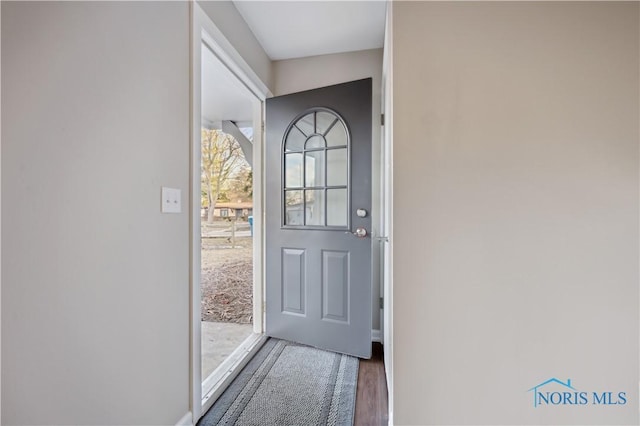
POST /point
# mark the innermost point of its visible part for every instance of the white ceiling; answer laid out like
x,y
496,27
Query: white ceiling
x,y
296,29
223,96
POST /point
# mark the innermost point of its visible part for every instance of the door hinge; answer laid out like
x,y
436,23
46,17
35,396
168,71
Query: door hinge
x,y
382,119
382,303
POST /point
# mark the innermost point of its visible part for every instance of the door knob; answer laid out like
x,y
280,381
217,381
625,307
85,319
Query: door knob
x,y
359,232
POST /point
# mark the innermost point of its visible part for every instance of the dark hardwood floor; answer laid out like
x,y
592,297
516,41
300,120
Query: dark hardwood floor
x,y
371,393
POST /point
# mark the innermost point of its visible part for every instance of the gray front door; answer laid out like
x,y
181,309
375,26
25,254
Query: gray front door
x,y
318,196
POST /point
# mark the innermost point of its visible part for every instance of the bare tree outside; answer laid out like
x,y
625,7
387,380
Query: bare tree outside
x,y
222,157
240,185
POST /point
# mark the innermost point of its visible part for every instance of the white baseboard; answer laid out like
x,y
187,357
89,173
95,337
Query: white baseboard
x,y
376,336
186,420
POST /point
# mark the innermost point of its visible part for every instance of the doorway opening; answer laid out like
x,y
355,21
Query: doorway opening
x,y
225,222
226,235
226,207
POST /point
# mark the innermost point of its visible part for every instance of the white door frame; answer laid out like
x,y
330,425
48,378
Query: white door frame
x,y
387,208
203,30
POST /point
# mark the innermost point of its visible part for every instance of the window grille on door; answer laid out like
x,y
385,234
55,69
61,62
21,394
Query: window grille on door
x,y
316,171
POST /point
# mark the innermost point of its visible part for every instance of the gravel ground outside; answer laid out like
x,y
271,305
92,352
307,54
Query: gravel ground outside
x,y
226,274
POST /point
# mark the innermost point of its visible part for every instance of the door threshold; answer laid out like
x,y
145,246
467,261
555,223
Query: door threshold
x,y
214,385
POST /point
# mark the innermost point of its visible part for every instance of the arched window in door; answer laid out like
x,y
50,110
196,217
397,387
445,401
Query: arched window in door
x,y
316,171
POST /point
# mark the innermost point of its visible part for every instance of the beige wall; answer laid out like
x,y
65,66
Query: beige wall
x,y
295,75
0,219
515,228
95,280
95,306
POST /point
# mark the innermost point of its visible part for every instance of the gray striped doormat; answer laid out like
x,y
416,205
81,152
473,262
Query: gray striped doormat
x,y
289,384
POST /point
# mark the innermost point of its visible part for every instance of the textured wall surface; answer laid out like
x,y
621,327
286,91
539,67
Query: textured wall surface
x,y
95,280
515,210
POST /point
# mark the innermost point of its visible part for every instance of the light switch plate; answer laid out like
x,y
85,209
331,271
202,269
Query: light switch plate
x,y
171,200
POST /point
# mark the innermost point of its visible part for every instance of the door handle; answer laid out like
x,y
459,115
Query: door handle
x,y
359,232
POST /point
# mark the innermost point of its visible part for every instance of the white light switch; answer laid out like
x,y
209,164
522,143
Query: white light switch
x,y
171,200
